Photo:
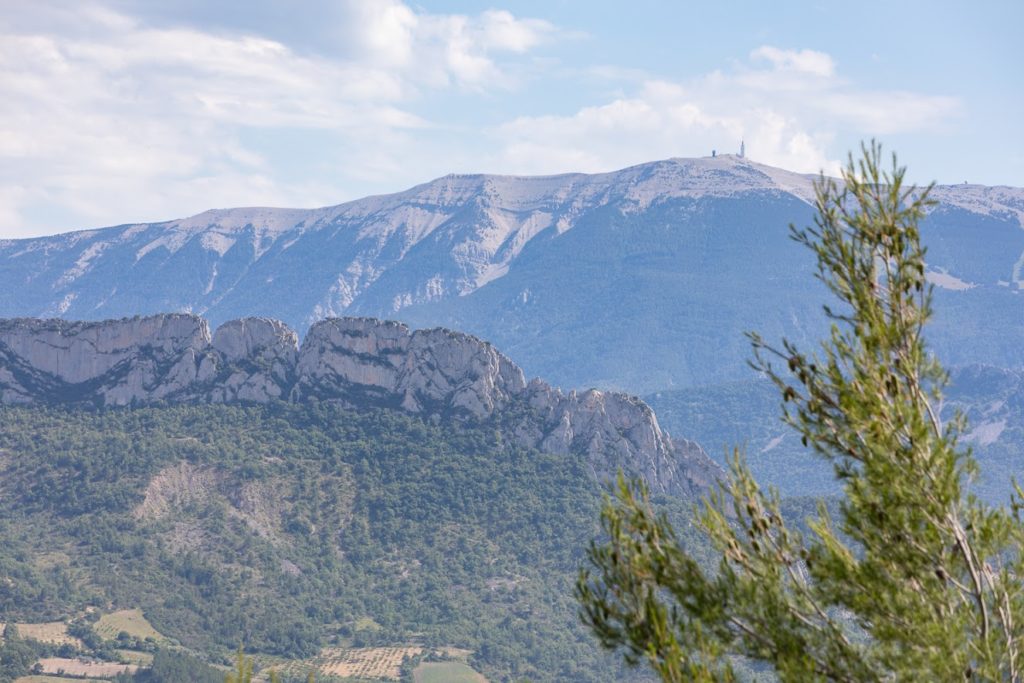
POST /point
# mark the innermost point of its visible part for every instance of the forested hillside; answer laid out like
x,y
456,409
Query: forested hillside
x,y
291,527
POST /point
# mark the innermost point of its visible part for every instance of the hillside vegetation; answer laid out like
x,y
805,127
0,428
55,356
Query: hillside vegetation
x,y
293,527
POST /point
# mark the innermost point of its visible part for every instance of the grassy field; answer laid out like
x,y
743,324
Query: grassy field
x,y
446,672
83,669
55,632
134,657
131,621
53,679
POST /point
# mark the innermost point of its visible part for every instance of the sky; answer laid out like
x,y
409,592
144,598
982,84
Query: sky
x,y
125,111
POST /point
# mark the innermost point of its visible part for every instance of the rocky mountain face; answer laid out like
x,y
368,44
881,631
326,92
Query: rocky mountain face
x,y
643,278
354,361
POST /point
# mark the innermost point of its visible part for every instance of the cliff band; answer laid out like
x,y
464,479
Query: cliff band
x,y
358,362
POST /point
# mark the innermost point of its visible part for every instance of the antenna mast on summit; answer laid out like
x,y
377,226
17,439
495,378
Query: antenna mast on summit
x,y
743,149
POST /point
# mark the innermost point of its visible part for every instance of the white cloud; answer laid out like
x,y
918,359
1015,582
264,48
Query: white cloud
x,y
802,61
502,31
788,113
882,113
439,50
382,32
634,130
109,120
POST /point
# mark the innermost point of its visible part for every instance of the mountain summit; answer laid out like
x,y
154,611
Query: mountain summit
x,y
377,255
641,278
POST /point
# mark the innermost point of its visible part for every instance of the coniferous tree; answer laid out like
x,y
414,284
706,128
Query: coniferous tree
x,y
915,580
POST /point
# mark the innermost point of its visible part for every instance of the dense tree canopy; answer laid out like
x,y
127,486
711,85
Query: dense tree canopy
x,y
290,528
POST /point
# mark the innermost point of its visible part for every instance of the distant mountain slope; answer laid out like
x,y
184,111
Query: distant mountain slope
x,y
747,414
642,278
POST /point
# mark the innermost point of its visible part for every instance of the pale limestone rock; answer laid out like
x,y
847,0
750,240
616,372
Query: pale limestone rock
x,y
254,361
357,361
76,352
360,352
115,362
616,431
414,370
207,369
255,338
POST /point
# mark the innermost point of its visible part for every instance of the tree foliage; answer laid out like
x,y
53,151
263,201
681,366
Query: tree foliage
x,y
913,578
171,666
16,655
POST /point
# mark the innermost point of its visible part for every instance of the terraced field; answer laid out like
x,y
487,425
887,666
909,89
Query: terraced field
x,y
372,663
131,621
53,632
367,662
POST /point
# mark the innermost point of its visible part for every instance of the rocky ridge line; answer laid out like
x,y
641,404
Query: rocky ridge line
x,y
354,361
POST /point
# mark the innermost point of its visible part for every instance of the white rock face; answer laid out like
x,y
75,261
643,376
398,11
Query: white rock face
x,y
78,351
261,354
118,362
424,371
256,338
359,362
616,431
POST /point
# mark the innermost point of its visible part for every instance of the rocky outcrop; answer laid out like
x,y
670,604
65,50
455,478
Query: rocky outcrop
x,y
615,431
435,371
358,362
115,362
440,372
141,360
256,360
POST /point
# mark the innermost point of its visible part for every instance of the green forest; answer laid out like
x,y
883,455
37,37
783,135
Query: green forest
x,y
292,527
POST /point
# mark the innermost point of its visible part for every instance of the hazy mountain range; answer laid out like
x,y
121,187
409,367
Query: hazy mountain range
x,y
642,279
747,415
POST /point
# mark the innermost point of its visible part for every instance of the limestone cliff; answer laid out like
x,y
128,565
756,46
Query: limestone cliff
x,y
356,361
422,371
112,363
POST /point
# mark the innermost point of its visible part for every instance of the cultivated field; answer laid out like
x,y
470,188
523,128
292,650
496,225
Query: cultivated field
x,y
446,672
130,621
375,663
82,668
55,632
366,662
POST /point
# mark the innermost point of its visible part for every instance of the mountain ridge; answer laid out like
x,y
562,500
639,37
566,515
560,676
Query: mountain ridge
x,y
357,362
481,250
679,249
